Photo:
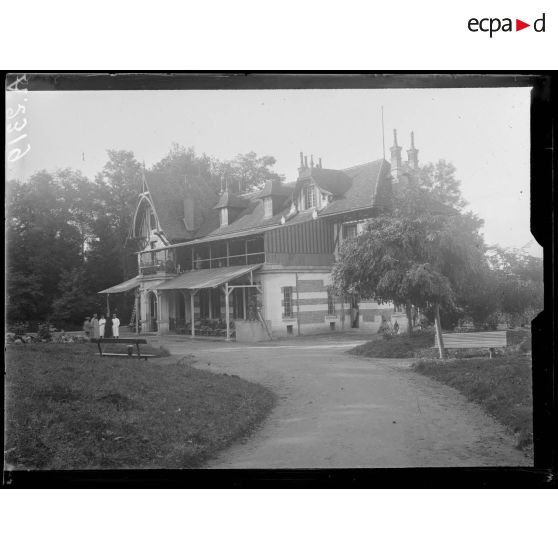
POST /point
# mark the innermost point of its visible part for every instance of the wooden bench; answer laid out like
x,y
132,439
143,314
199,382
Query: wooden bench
x,y
475,340
137,342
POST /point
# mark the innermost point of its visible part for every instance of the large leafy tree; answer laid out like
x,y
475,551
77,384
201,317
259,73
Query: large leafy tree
x,y
421,254
181,162
247,172
440,181
77,298
519,280
46,231
116,196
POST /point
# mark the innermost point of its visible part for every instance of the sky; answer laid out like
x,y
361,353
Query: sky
x,y
483,132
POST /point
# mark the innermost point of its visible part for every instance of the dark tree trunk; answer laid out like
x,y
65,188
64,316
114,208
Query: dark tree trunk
x,y
409,312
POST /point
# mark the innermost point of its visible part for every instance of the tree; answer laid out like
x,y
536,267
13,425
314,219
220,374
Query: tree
x,y
247,172
44,238
439,180
76,299
181,162
420,254
404,260
117,189
519,280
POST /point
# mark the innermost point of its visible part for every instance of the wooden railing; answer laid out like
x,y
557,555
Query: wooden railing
x,y
151,268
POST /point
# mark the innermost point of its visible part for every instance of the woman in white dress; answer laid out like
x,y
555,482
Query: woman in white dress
x,y
115,326
102,323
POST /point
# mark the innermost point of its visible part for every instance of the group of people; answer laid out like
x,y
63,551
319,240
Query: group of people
x,y
99,328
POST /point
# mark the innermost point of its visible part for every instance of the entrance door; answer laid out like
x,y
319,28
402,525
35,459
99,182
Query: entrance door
x,y
152,312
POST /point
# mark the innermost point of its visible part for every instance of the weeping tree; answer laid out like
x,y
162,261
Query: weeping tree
x,y
422,254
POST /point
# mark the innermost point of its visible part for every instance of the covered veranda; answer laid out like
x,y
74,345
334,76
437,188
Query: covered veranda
x,y
125,287
212,296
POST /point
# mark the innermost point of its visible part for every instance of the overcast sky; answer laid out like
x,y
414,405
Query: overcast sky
x,y
483,132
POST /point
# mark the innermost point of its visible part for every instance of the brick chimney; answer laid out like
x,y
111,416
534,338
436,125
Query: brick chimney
x,y
395,158
412,154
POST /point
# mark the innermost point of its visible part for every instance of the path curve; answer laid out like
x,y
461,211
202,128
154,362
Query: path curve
x,y
337,410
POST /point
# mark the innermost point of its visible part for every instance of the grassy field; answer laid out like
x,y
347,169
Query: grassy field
x,y
399,346
68,409
502,386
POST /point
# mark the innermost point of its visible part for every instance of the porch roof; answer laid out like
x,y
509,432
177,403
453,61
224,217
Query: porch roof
x,y
207,278
123,287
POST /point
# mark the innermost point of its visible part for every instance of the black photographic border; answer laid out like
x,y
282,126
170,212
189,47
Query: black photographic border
x,y
543,171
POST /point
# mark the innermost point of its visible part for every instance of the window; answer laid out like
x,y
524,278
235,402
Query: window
x,y
224,217
309,196
349,231
268,207
287,302
330,302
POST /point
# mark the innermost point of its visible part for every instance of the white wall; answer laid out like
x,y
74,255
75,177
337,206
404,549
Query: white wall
x,y
272,298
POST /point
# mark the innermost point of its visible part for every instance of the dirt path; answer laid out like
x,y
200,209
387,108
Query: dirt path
x,y
336,410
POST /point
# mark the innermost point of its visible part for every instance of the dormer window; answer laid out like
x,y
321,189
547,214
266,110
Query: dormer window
x,y
268,207
224,216
309,197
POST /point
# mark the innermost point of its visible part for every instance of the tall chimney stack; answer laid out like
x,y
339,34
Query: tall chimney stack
x,y
312,161
301,160
412,154
395,158
305,161
320,162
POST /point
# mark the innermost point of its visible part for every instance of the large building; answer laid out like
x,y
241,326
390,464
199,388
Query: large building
x,y
258,264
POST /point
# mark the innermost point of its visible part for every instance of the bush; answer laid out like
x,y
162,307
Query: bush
x,y
45,331
396,346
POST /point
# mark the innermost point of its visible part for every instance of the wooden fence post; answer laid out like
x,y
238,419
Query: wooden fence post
x,y
438,327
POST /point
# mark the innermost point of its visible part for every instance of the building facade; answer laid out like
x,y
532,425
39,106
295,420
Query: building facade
x,y
258,264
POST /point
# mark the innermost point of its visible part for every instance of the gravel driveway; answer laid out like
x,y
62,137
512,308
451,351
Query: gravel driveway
x,y
338,410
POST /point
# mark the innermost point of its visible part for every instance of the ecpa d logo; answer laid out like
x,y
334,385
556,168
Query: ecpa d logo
x,y
492,25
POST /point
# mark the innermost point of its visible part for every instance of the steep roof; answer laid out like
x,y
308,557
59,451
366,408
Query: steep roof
x,y
168,194
360,187
335,182
228,199
276,188
370,186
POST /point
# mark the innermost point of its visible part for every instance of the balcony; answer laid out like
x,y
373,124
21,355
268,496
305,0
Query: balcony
x,y
158,266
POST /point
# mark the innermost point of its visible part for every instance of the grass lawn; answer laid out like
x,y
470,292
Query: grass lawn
x,y
66,408
502,386
398,346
